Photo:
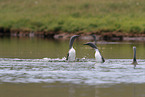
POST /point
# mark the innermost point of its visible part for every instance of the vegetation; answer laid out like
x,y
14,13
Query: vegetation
x,y
71,16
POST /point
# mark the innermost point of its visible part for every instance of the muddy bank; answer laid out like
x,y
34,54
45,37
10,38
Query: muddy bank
x,y
108,36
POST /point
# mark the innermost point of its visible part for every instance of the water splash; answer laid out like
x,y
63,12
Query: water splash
x,y
84,71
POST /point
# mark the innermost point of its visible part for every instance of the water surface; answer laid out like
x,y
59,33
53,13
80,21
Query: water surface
x,y
34,48
37,67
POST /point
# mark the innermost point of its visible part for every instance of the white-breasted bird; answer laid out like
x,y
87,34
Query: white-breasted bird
x,y
72,53
99,58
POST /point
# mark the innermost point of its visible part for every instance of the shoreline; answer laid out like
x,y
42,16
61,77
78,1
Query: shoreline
x,y
108,36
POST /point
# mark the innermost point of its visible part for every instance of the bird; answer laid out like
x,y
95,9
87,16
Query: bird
x,y
99,58
94,37
134,57
72,53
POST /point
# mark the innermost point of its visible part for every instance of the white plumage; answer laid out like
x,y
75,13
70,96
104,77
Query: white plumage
x,y
72,54
98,56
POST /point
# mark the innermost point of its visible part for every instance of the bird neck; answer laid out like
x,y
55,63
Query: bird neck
x,y
134,55
71,42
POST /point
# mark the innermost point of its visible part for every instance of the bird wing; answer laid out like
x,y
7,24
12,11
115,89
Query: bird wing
x,y
103,59
67,56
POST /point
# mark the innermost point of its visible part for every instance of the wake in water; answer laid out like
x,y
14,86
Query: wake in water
x,y
82,72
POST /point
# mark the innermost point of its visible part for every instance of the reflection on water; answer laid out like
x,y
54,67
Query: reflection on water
x,y
35,67
39,48
71,90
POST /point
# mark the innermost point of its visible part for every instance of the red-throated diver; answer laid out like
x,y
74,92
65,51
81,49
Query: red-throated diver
x,y
134,57
99,58
72,53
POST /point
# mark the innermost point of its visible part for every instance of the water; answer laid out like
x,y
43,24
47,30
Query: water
x,y
33,48
33,75
113,71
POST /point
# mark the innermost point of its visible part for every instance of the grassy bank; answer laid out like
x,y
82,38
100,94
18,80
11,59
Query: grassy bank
x,y
125,16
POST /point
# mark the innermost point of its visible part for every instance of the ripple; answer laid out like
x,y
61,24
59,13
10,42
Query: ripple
x,y
85,71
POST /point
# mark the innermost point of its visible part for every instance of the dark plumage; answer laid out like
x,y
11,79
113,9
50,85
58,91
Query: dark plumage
x,y
134,57
94,37
92,45
71,54
98,56
72,40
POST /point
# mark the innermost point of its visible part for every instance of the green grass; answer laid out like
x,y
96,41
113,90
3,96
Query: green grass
x,y
127,16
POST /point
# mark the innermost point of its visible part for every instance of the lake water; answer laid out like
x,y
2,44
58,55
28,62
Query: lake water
x,y
37,67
